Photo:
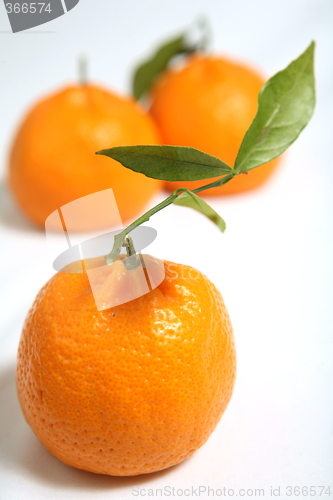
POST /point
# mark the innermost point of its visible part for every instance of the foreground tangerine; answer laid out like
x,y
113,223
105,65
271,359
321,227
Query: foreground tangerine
x,y
52,160
209,104
133,389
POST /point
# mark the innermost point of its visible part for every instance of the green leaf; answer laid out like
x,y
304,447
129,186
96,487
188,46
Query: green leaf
x,y
285,105
169,163
189,199
145,75
147,72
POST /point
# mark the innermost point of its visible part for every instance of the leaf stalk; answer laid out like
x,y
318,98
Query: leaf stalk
x,y
120,238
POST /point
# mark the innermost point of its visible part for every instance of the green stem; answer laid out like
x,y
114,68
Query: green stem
x,y
119,239
206,40
128,243
83,70
218,183
132,261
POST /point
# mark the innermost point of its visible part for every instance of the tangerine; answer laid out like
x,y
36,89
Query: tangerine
x,y
53,161
132,389
209,104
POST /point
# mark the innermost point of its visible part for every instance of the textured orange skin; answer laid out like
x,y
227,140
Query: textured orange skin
x,y
133,389
209,105
53,161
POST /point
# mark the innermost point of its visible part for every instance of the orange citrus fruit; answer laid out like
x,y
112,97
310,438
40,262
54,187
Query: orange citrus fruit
x,y
53,161
132,389
209,104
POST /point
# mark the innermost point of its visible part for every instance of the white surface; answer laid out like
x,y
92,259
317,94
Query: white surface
x,y
273,265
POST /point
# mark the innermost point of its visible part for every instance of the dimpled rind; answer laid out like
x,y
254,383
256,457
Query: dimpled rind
x,y
133,389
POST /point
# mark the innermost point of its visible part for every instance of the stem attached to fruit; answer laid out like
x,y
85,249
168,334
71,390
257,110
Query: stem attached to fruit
x,y
130,250
120,239
132,261
83,70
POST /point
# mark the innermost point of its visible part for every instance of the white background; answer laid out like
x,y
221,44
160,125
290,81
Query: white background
x,y
273,265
